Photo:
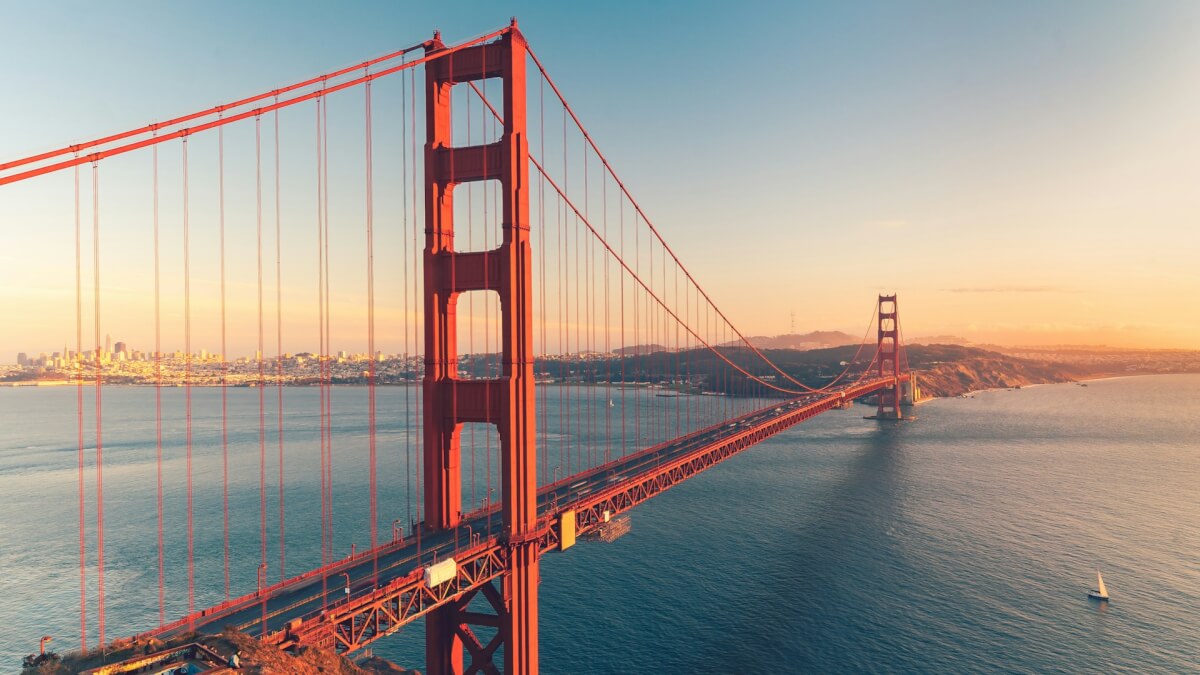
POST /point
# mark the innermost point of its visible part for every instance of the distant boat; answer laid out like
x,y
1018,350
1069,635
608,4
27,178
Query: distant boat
x,y
1100,593
611,404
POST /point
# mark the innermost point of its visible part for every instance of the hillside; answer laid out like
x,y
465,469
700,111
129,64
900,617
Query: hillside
x,y
950,370
944,370
819,339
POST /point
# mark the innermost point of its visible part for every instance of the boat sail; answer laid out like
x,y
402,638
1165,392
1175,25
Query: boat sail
x,y
1099,593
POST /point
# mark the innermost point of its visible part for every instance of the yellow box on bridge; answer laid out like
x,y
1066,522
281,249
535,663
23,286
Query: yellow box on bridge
x,y
566,530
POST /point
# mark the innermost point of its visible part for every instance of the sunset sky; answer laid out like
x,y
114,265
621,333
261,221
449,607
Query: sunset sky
x,y
1019,172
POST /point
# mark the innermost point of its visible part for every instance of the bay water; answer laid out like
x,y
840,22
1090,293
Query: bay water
x,y
962,541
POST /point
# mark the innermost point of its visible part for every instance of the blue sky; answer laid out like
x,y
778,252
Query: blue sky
x,y
1018,171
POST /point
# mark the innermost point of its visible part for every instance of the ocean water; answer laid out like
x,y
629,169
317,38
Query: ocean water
x,y
963,541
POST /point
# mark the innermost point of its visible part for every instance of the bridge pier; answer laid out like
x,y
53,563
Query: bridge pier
x,y
507,402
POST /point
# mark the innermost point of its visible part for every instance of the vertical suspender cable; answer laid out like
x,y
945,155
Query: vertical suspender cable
x,y
607,336
99,411
678,365
566,395
487,328
587,313
544,427
652,327
187,379
564,442
412,101
493,330
77,366
279,346
486,192
577,414
321,352
224,360
262,402
624,351
670,332
328,346
158,445
593,343
409,420
371,341
685,421
471,297
321,364
637,335
659,338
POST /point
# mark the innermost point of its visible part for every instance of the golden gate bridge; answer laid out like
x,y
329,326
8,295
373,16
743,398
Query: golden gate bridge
x,y
547,265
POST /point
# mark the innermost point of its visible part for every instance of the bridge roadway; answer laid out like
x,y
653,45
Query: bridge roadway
x,y
309,596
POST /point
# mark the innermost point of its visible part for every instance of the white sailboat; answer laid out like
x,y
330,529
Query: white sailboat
x,y
1100,593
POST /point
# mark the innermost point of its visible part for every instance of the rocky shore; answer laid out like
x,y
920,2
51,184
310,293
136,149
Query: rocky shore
x,y
253,657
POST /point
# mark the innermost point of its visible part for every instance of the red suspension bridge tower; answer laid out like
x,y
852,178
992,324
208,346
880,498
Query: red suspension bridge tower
x,y
507,402
888,357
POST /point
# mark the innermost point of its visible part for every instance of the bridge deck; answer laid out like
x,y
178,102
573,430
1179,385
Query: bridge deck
x,y
314,609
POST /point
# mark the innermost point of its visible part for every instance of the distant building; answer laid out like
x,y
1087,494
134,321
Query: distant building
x,y
22,359
121,348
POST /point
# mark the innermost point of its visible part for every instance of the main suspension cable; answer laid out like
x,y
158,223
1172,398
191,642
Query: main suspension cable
x,y
587,137
804,388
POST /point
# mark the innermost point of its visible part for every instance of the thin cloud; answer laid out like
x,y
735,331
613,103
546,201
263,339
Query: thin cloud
x,y
1010,289
887,224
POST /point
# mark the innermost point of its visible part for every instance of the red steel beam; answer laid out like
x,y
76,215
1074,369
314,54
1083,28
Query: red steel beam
x,y
215,110
356,623
188,131
589,510
351,625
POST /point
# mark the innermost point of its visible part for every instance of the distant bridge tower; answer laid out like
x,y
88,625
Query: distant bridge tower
x,y
507,402
888,357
